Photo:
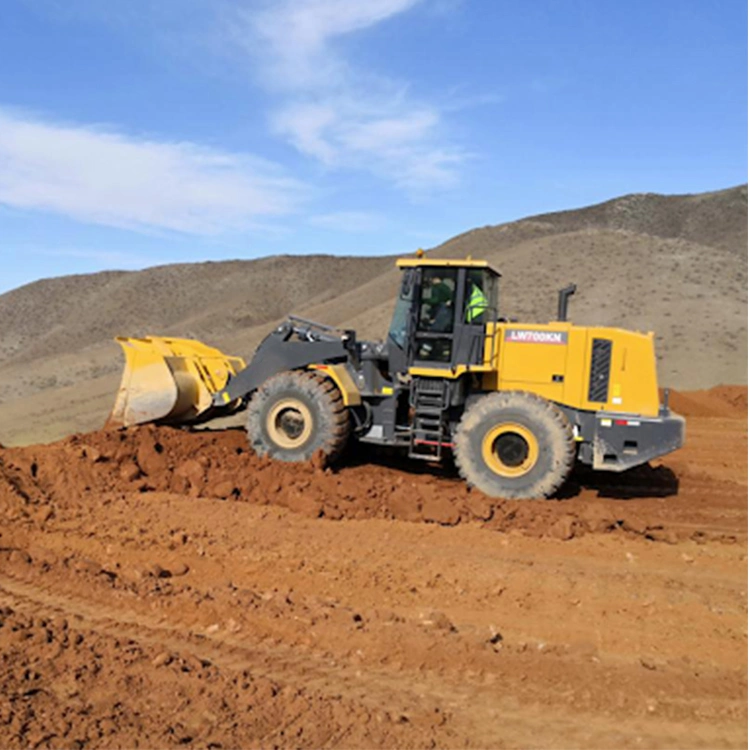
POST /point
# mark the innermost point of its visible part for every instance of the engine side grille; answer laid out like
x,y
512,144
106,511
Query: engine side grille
x,y
601,359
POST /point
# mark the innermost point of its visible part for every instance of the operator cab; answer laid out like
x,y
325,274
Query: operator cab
x,y
441,313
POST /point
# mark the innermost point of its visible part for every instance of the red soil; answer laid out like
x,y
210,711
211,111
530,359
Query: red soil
x,y
720,401
160,587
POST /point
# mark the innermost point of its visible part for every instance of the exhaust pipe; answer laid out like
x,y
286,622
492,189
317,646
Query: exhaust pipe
x,y
562,301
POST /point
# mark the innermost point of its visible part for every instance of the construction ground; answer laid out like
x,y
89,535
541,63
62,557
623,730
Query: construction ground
x,y
162,587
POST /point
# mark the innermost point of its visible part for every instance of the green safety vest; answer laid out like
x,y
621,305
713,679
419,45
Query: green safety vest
x,y
477,304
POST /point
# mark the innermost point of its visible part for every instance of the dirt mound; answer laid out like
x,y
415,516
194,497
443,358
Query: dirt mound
x,y
220,465
720,401
205,464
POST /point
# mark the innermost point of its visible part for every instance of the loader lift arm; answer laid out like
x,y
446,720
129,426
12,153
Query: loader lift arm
x,y
295,344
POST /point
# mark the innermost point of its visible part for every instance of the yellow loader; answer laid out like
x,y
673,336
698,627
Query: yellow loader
x,y
517,404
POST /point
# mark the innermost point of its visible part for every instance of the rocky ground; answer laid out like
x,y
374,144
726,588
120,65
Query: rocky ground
x,y
162,587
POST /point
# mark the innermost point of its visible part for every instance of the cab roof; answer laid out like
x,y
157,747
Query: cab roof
x,y
424,262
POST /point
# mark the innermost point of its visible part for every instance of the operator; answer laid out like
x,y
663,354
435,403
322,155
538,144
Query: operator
x,y
477,304
440,303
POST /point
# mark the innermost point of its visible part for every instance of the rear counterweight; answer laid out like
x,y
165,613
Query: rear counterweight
x,y
624,442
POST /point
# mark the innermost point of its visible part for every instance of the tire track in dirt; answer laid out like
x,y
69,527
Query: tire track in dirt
x,y
379,692
304,679
279,663
432,701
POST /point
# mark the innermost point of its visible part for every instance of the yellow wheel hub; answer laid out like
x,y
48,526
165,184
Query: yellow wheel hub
x,y
289,423
510,449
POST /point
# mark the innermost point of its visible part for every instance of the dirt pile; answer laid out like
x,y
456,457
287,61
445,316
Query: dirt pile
x,y
220,465
721,401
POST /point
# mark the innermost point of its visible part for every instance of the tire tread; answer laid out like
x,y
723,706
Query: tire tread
x,y
470,466
322,391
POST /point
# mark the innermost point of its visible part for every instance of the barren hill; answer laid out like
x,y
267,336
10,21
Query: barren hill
x,y
673,264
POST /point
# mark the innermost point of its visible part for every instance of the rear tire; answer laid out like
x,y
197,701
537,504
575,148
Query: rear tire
x,y
295,414
514,445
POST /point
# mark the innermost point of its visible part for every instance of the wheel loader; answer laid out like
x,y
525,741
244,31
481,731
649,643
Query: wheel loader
x,y
516,404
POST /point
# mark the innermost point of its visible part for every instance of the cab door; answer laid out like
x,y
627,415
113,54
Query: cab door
x,y
452,310
435,308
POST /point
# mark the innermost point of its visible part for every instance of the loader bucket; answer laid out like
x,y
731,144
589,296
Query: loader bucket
x,y
170,380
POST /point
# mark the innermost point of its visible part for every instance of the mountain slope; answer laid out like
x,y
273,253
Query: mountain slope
x,y
673,264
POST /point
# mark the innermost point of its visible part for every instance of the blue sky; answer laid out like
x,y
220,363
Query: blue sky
x,y
156,131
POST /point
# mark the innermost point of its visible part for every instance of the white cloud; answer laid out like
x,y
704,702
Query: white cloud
x,y
297,33
344,117
401,147
307,125
100,176
348,221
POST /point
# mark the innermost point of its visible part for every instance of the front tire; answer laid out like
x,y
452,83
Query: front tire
x,y
514,445
295,414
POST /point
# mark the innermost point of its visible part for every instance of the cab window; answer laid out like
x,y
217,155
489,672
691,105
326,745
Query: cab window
x,y
479,296
437,302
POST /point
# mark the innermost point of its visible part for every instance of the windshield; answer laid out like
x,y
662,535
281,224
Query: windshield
x,y
400,324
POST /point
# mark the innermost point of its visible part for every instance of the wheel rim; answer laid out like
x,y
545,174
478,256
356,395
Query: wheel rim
x,y
510,449
289,423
